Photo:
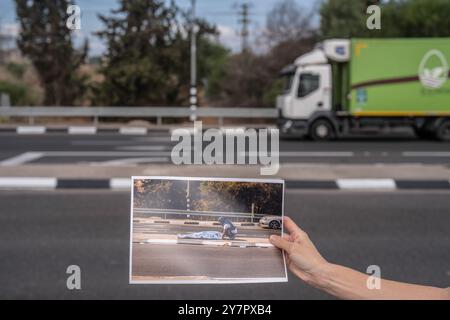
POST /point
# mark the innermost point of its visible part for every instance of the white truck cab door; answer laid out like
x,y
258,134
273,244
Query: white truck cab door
x,y
311,91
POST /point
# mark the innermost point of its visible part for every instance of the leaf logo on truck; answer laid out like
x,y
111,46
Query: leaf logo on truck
x,y
433,70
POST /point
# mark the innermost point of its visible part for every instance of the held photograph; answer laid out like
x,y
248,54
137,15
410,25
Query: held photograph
x,y
205,230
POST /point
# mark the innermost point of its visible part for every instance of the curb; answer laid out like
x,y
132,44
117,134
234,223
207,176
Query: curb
x,y
78,130
125,184
207,243
196,223
123,130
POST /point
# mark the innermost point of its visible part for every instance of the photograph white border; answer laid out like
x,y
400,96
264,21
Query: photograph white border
x,y
215,281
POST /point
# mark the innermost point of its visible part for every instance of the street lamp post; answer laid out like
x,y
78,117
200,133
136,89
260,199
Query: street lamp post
x,y
193,91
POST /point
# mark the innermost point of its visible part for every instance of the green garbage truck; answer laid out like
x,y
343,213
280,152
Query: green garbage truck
x,y
349,86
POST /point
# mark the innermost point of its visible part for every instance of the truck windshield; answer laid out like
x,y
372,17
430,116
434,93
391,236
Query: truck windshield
x,y
308,83
288,79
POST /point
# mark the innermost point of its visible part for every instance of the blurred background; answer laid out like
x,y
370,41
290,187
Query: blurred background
x,y
242,47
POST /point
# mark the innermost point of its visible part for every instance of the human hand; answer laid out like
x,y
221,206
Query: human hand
x,y
302,257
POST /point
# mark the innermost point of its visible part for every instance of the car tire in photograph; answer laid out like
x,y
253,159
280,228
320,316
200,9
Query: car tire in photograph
x,y
274,225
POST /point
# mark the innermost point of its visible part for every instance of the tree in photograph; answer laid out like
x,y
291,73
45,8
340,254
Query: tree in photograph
x,y
160,194
238,197
47,42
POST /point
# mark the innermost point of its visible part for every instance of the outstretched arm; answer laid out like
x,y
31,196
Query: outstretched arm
x,y
306,263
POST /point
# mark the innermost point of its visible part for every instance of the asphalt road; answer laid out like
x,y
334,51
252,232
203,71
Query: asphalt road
x,y
113,149
183,260
41,233
154,229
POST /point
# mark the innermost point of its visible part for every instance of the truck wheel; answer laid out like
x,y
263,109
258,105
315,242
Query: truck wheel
x,y
322,130
443,131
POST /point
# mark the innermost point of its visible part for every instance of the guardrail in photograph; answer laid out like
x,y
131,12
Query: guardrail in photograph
x,y
169,212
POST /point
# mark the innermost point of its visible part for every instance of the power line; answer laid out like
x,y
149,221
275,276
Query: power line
x,y
244,20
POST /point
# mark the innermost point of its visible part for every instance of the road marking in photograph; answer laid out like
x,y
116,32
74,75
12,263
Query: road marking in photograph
x,y
21,159
28,182
161,241
82,130
366,184
31,130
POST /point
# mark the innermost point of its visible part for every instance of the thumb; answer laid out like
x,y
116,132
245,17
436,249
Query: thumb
x,y
281,243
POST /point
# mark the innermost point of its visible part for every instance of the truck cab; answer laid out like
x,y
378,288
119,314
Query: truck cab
x,y
306,105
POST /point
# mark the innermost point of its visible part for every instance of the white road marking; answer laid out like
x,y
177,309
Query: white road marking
x,y
82,130
162,241
35,183
264,245
366,184
119,183
31,130
99,142
305,154
133,131
105,154
131,161
144,148
21,159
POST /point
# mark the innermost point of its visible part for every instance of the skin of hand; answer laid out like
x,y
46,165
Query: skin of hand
x,y
302,257
305,261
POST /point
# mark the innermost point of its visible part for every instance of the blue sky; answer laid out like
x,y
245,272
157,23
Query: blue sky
x,y
220,12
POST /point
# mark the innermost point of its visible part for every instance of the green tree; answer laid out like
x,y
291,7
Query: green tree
x,y
46,40
147,59
345,18
417,18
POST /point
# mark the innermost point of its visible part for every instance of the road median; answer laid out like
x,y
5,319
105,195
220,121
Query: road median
x,y
297,176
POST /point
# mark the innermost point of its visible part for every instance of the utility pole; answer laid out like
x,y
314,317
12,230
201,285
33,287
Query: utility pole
x,y
193,91
244,20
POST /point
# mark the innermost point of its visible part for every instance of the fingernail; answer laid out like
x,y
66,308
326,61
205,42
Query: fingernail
x,y
272,238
